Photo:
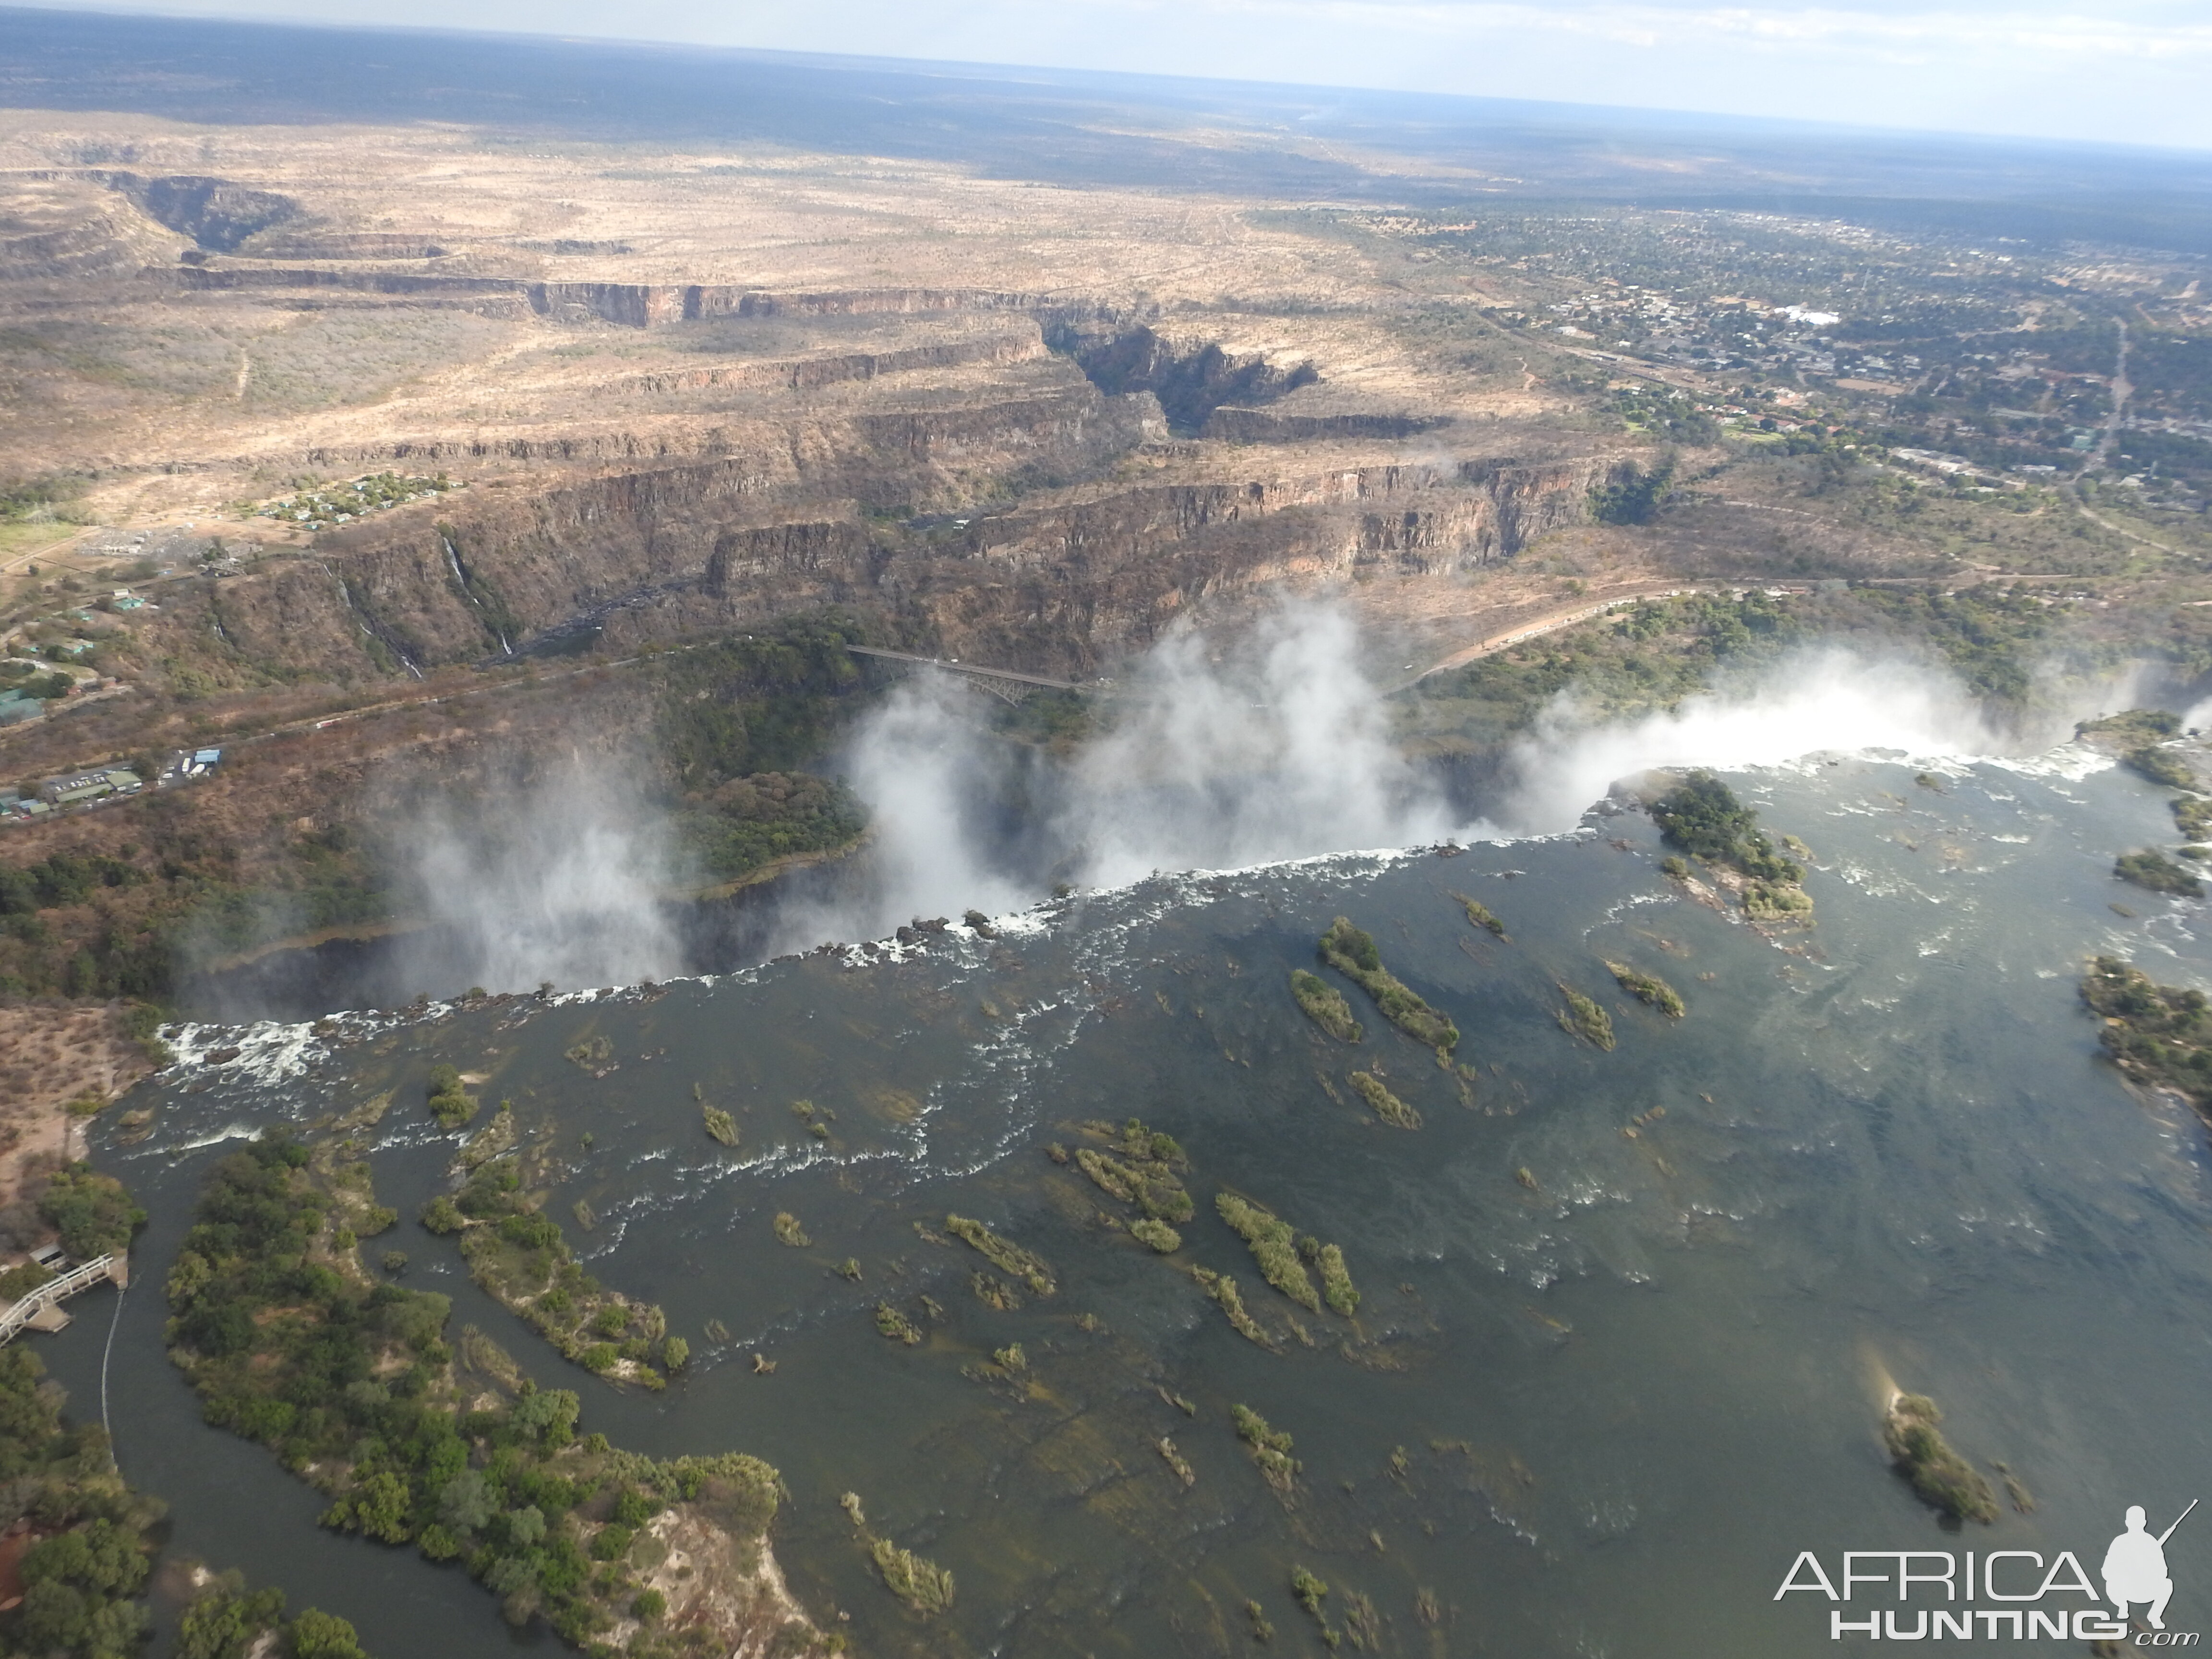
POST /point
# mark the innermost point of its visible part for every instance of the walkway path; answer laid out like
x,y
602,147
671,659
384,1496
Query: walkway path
x,y
41,1310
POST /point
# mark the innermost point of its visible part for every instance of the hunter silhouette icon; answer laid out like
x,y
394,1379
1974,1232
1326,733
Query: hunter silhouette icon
x,y
2135,1567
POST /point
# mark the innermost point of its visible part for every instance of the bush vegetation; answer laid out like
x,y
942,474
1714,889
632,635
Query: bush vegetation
x,y
94,1544
337,504
1654,654
1223,1289
1270,1447
1336,1286
2158,873
1480,915
2130,729
1631,494
1325,1005
450,1104
2160,1035
87,925
1702,816
1352,952
1386,1105
740,717
1582,1017
1273,1245
1938,1474
91,1212
891,1322
1157,1234
1006,1256
521,1256
224,1621
350,1383
738,827
1143,1168
922,1585
1648,989
2161,766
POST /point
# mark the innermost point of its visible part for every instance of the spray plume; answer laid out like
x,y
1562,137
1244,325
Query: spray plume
x,y
564,884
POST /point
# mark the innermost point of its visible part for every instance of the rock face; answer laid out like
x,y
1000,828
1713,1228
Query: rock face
x,y
1041,456
637,554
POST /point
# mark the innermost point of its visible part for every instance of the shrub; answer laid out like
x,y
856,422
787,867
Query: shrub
x,y
2158,873
1585,1018
1648,989
1702,816
450,1104
2160,765
1938,1474
1387,1106
922,1585
21,1280
1270,1447
1352,952
1157,1234
1003,1254
1269,1239
1324,1005
319,1635
91,1212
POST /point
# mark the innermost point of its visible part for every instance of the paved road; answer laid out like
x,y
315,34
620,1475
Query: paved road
x,y
1551,622
2101,459
2122,391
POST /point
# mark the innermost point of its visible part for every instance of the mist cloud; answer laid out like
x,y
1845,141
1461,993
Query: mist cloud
x,y
562,879
1279,748
1219,755
932,786
1825,699
1282,751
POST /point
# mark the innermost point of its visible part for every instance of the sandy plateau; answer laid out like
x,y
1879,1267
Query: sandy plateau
x,y
51,1058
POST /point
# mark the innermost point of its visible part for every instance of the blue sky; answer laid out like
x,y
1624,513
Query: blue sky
x,y
2130,71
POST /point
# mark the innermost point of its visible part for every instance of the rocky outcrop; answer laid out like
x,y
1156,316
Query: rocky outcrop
x,y
202,278
107,239
808,374
350,244
1262,426
635,305
640,304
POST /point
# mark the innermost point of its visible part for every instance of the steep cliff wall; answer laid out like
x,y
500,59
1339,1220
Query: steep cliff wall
x,y
218,214
636,556
810,373
1192,376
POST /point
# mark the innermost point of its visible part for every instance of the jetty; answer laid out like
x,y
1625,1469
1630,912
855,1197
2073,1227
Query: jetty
x,y
41,1311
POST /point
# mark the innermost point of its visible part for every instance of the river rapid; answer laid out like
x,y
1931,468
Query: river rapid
x,y
1602,1387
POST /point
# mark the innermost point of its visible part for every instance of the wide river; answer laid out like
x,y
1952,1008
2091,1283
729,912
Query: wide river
x,y
1603,1387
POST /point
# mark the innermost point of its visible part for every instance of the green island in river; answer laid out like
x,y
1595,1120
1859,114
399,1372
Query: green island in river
x,y
355,1388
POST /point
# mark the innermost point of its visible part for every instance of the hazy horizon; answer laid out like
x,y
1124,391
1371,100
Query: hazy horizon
x,y
1980,69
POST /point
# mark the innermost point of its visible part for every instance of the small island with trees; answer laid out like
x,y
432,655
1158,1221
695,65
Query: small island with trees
x,y
1702,816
